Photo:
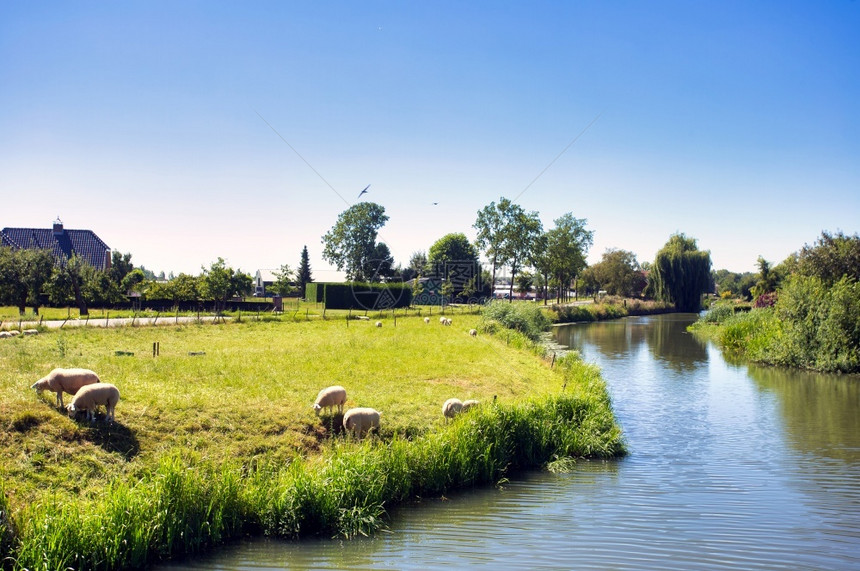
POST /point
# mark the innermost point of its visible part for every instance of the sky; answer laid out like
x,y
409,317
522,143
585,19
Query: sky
x,y
182,132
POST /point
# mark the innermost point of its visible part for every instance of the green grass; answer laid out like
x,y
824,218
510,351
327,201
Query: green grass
x,y
228,438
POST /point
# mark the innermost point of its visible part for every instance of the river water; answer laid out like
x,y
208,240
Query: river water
x,y
731,466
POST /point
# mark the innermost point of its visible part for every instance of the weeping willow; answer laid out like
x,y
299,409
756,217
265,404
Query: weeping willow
x,y
681,273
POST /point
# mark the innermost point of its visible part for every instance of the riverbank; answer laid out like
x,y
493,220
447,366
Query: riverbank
x,y
605,309
215,437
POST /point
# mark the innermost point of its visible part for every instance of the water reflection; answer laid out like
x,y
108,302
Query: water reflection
x,y
665,337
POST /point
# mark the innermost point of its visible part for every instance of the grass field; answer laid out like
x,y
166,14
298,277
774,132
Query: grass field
x,y
240,395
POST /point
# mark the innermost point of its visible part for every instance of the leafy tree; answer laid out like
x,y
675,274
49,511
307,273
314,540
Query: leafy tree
x,y
133,281
520,234
217,282
619,273
380,265
731,284
303,274
417,266
351,242
23,274
454,259
120,266
681,273
490,224
831,257
564,250
283,285
241,284
525,281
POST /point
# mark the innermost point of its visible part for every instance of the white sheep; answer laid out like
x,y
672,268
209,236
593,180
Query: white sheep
x,y
30,332
426,320
65,380
14,333
359,421
451,408
5,334
379,324
467,404
442,320
448,321
473,332
90,397
330,397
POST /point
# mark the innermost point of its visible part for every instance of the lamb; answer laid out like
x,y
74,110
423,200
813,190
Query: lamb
x,y
467,404
447,321
426,320
451,408
359,421
473,332
65,380
379,324
330,397
90,397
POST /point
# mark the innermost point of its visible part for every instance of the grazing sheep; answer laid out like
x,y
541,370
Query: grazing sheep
x,y
467,404
451,408
30,332
442,320
65,380
473,332
359,421
4,334
379,324
426,320
14,333
448,321
90,397
330,397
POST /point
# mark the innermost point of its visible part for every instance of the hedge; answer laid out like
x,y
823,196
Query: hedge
x,y
356,295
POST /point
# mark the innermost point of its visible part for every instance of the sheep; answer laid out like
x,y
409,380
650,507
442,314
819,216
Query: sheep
x,y
90,397
451,408
30,332
65,380
5,334
330,397
359,421
473,332
447,322
426,320
14,333
467,404
379,324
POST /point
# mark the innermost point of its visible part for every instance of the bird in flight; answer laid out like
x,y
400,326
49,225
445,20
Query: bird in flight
x,y
363,191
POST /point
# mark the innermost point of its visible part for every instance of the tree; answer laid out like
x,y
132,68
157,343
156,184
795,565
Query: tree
x,y
380,265
120,266
490,224
283,285
350,244
565,251
132,280
681,273
23,274
217,282
619,273
831,258
520,231
303,274
525,281
455,260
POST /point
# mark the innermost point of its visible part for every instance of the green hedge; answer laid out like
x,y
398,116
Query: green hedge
x,y
356,295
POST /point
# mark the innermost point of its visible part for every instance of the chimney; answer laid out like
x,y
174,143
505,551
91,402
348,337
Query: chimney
x,y
58,227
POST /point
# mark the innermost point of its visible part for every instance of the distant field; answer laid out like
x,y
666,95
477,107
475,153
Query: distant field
x,y
248,397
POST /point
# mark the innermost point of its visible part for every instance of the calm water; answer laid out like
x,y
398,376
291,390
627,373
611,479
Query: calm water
x,y
730,466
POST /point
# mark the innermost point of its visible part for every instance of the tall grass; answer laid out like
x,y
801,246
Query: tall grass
x,y
186,505
609,308
526,318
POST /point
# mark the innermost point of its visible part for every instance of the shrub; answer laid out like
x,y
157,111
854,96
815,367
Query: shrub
x,y
526,318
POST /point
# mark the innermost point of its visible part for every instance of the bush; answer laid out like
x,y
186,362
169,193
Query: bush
x,y
526,318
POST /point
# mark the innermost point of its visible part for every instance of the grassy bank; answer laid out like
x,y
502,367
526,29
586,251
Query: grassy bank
x,y
809,327
215,436
607,308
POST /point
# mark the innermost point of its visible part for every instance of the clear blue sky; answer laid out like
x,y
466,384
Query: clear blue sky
x,y
736,123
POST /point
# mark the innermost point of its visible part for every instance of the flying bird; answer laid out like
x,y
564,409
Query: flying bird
x,y
363,191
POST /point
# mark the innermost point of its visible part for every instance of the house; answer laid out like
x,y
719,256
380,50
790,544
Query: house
x,y
262,280
63,243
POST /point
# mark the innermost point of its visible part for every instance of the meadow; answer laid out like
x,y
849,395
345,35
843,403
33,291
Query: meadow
x,y
221,421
